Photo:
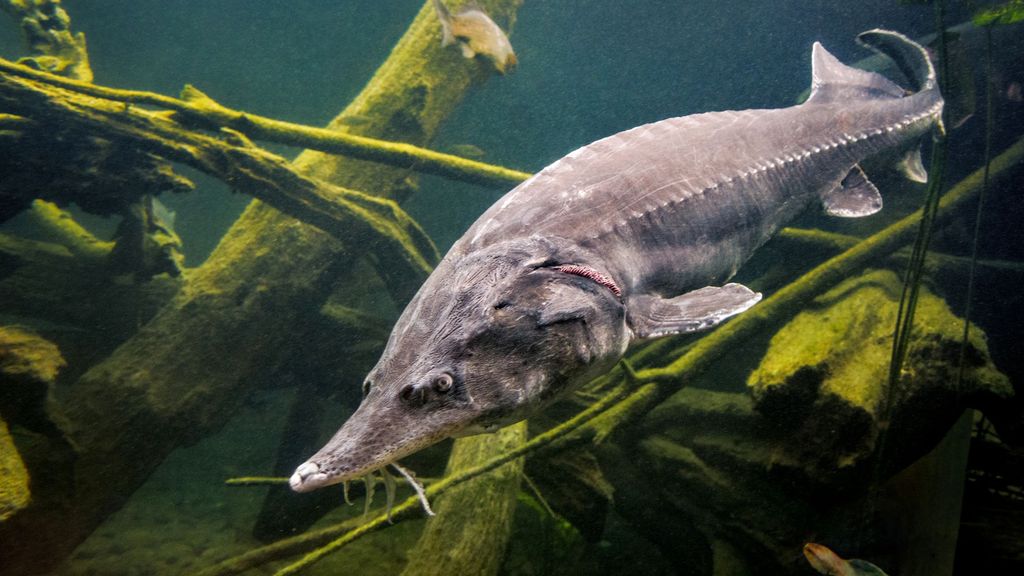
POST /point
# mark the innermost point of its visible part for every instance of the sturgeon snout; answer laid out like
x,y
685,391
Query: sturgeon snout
x,y
307,477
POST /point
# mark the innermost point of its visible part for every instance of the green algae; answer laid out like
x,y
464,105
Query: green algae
x,y
825,378
14,479
1002,14
845,335
59,224
24,355
28,366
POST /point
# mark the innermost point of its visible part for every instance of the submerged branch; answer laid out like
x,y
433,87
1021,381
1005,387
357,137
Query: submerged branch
x,y
256,481
198,108
935,260
59,225
351,216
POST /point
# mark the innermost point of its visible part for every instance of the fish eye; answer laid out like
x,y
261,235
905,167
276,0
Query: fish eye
x,y
442,383
366,387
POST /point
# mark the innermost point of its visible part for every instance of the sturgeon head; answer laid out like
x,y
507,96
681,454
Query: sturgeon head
x,y
491,336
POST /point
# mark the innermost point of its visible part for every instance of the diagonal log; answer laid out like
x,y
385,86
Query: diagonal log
x,y
184,373
474,520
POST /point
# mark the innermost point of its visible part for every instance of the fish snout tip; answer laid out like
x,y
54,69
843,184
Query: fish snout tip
x,y
307,477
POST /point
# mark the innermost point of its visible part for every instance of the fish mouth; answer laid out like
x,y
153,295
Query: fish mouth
x,y
371,439
347,460
308,477
338,466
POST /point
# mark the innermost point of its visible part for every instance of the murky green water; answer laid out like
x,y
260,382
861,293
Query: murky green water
x,y
730,474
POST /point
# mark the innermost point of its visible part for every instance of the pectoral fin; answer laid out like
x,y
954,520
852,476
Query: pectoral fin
x,y
854,197
467,52
650,316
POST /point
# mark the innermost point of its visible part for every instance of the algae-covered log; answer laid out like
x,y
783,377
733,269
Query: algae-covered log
x,y
197,110
799,456
240,313
474,519
99,175
14,479
824,378
28,366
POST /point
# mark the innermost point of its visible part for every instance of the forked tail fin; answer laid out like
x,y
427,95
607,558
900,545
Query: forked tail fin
x,y
910,57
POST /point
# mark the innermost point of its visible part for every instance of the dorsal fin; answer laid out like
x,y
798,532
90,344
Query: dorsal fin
x,y
832,80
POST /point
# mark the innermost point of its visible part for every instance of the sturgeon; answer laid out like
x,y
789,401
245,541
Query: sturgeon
x,y
627,238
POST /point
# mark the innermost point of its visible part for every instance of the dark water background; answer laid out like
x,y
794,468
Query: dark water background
x,y
587,69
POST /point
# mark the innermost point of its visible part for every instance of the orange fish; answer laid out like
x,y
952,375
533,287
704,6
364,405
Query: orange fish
x,y
476,33
827,562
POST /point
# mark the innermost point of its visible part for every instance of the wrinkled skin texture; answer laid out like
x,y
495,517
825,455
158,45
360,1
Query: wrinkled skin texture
x,y
478,354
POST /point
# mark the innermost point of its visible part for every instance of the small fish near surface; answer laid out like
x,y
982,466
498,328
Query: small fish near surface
x,y
825,561
476,34
627,238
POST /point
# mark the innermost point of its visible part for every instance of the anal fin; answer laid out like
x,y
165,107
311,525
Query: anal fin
x,y
651,316
855,196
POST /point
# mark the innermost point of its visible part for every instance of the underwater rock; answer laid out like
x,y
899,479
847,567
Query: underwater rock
x,y
710,471
708,481
14,478
824,379
28,366
24,356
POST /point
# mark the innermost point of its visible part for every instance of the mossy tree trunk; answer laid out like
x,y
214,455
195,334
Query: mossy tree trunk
x,y
474,519
240,313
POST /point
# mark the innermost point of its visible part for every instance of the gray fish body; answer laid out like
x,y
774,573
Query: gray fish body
x,y
679,204
625,238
